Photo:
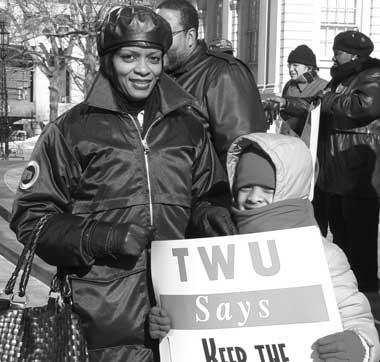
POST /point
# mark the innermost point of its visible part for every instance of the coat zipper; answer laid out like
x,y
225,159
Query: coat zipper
x,y
146,152
145,145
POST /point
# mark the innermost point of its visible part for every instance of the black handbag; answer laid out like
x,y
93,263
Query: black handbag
x,y
51,333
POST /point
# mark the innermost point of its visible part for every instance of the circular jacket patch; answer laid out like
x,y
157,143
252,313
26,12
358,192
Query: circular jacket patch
x,y
29,175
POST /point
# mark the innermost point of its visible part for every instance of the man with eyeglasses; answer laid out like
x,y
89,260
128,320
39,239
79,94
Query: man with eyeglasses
x,y
223,84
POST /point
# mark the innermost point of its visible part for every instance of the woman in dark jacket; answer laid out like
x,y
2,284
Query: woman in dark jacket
x,y
349,152
122,168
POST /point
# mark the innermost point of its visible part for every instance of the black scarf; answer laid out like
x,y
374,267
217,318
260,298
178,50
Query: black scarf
x,y
341,72
150,105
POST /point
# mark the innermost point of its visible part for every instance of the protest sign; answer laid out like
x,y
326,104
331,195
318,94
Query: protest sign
x,y
257,297
310,137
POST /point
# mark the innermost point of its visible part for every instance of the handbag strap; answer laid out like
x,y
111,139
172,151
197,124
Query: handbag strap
x,y
60,284
25,260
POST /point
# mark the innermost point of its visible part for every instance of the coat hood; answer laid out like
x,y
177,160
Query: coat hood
x,y
290,156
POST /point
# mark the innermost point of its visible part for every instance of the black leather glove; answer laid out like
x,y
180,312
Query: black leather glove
x,y
137,238
271,110
102,239
211,220
342,346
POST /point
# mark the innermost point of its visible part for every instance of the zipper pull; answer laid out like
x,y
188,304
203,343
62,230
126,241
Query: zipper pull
x,y
145,145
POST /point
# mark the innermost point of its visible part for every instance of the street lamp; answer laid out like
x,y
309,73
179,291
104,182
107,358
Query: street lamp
x,y
4,125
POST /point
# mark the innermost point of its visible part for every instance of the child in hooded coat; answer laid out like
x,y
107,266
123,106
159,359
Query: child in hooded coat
x,y
270,178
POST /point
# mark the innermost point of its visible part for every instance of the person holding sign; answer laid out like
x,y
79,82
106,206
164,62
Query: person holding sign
x,y
116,171
270,192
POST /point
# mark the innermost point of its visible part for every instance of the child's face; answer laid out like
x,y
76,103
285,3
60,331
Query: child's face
x,y
254,196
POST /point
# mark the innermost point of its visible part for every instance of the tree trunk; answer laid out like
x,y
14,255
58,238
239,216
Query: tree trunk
x,y
53,98
56,89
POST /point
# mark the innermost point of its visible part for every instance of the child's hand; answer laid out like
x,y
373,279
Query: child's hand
x,y
159,323
342,346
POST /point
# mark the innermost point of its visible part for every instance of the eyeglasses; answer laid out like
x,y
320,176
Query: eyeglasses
x,y
178,31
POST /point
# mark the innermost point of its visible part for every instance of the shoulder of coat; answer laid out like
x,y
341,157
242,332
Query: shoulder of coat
x,y
226,57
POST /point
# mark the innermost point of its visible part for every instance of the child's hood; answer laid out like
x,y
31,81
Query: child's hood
x,y
290,156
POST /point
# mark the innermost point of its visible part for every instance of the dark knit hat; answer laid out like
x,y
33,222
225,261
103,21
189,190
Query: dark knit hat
x,y
302,55
133,26
254,168
353,42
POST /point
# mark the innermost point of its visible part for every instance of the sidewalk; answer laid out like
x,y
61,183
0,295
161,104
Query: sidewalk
x,y
36,291
10,248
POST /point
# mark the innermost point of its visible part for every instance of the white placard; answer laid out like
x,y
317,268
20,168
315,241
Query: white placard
x,y
252,297
314,120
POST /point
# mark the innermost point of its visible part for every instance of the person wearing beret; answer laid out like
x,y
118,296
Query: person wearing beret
x,y
124,167
349,152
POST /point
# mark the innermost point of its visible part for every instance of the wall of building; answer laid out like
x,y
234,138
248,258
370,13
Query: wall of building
x,y
374,24
41,91
299,23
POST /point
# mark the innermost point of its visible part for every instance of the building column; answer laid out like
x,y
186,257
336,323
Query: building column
x,y
234,7
202,12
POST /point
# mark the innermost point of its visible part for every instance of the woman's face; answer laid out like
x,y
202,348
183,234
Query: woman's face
x,y
137,70
340,57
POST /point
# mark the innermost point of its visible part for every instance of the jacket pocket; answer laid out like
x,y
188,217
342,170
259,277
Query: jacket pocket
x,y
113,304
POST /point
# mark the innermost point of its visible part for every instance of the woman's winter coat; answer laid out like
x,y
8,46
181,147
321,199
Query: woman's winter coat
x,y
299,89
349,142
293,182
95,163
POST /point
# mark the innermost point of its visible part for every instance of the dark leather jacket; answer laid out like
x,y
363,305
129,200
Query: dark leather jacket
x,y
349,147
228,94
94,163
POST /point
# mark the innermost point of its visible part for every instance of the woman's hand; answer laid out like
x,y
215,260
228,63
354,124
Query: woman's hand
x,y
159,323
137,238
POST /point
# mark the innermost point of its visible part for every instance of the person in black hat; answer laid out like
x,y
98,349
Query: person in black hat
x,y
304,82
125,167
349,151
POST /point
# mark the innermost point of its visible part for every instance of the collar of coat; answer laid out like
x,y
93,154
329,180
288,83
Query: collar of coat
x,y
171,95
198,55
342,72
201,53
